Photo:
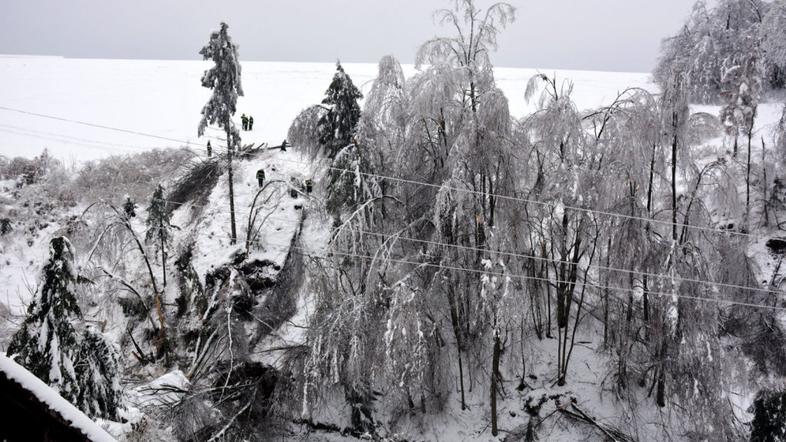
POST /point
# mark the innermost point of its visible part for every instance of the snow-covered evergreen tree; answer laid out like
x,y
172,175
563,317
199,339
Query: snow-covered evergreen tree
x,y
47,343
224,80
82,367
158,227
337,127
98,372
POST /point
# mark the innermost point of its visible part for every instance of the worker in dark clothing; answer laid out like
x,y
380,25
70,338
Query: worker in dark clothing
x,y
309,186
244,121
129,207
284,146
209,149
250,123
261,176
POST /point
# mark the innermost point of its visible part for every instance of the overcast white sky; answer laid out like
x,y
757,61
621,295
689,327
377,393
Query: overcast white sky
x,y
615,35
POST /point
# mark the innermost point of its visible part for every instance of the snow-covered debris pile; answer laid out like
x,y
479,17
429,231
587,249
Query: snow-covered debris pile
x,y
40,395
165,390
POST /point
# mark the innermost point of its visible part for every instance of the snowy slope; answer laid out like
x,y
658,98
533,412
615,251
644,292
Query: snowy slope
x,y
164,98
277,220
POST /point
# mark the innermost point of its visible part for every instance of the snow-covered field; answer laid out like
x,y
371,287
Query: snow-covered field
x,y
164,98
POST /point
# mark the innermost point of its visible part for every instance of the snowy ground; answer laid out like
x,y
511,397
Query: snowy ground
x,y
164,98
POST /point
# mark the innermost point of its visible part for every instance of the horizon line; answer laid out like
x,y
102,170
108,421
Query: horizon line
x,y
66,57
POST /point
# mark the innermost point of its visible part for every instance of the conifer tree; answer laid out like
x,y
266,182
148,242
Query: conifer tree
x,y
337,126
47,343
98,372
224,80
82,367
158,226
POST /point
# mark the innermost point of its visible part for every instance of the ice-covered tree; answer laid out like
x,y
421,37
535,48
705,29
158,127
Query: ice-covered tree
x,y
383,120
304,131
742,85
710,36
337,126
224,80
469,49
47,344
780,137
773,44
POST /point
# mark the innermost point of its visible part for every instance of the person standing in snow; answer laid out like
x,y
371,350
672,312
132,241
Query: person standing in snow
x,y
129,207
261,176
244,121
209,149
284,146
250,123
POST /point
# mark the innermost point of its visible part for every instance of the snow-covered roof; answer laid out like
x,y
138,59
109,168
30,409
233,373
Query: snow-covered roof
x,y
53,400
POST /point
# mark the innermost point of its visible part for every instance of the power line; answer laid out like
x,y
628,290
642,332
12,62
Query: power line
x,y
96,144
422,183
519,276
522,277
387,237
99,126
527,277
559,261
551,205
546,204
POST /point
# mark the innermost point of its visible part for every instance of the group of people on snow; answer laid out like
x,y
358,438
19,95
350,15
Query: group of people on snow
x,y
247,122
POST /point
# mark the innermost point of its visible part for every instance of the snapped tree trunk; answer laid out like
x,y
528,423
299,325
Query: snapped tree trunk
x,y
231,187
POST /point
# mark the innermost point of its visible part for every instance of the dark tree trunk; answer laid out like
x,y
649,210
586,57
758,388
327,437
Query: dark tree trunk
x,y
660,395
231,187
674,183
454,319
645,286
748,180
734,151
494,378
606,290
765,203
163,254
